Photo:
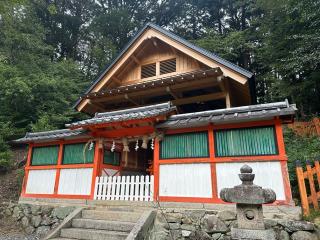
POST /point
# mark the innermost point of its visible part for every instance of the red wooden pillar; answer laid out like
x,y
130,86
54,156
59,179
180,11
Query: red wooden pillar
x,y
156,169
212,164
96,164
28,163
58,170
282,154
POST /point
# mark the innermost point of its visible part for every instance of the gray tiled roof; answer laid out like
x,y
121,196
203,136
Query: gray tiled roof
x,y
175,37
51,135
236,114
127,114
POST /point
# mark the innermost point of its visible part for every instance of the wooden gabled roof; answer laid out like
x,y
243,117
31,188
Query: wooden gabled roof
x,y
151,30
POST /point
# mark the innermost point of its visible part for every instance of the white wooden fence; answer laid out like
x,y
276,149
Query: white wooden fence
x,y
126,188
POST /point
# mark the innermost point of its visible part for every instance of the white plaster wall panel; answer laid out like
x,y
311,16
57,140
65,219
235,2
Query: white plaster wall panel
x,y
185,180
75,181
267,175
41,181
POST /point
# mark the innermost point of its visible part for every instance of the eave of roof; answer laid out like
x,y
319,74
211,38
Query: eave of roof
x,y
230,115
126,115
52,135
159,82
175,37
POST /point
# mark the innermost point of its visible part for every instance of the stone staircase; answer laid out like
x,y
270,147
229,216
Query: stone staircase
x,y
102,223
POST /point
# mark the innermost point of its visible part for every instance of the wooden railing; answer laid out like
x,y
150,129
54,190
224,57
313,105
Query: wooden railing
x,y
308,186
125,188
310,128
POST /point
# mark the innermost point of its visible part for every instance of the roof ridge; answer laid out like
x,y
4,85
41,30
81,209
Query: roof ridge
x,y
240,109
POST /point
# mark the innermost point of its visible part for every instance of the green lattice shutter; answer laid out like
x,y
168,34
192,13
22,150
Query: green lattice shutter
x,y
186,145
245,142
44,155
112,158
77,154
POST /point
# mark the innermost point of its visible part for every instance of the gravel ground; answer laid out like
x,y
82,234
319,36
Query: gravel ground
x,y
16,236
9,230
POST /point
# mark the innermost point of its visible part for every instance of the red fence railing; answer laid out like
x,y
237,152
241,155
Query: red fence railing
x,y
311,128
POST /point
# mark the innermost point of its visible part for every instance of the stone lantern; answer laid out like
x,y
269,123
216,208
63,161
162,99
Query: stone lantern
x,y
249,199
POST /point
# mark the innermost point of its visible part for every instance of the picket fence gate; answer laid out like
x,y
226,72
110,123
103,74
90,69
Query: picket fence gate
x,y
125,188
309,185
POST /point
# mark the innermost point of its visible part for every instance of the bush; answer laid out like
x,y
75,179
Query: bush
x,y
299,149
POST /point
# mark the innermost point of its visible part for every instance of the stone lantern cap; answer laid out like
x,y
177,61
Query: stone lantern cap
x,y
247,192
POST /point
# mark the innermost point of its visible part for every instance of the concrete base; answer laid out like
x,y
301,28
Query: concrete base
x,y
248,234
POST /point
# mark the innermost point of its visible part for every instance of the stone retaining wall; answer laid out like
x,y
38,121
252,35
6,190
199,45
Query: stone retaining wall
x,y
216,225
35,218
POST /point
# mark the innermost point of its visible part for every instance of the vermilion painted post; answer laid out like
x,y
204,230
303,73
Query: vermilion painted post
x,y
156,168
317,167
212,163
28,163
313,192
279,133
302,189
96,159
60,155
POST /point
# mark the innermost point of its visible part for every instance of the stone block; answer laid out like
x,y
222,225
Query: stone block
x,y
188,227
29,229
303,235
172,226
185,233
36,220
237,233
216,236
197,235
293,226
35,209
283,235
42,230
195,215
62,212
227,215
25,222
212,224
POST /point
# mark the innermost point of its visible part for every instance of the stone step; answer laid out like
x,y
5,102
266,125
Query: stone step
x,y
102,224
121,209
62,238
111,215
92,234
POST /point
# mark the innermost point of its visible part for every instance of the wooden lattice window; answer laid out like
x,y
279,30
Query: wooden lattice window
x,y
168,66
44,155
246,142
184,145
148,70
77,153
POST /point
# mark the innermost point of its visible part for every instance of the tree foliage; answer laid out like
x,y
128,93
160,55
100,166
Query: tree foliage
x,y
51,50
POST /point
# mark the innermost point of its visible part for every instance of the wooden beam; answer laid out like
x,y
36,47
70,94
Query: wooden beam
x,y
131,100
97,106
175,96
135,59
227,91
201,98
117,80
192,85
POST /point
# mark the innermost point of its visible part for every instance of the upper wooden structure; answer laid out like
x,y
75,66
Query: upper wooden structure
x,y
158,66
